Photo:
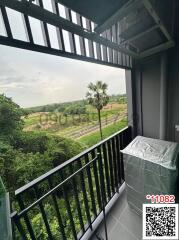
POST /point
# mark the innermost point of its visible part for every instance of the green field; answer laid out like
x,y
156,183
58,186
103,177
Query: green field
x,y
94,138
84,127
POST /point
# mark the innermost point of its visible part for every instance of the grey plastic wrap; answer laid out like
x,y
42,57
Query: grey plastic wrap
x,y
150,168
5,222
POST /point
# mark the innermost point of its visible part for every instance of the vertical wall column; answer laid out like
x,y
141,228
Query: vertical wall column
x,y
130,101
139,99
163,97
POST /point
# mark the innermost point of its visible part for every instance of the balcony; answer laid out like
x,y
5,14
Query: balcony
x,y
122,221
140,36
79,192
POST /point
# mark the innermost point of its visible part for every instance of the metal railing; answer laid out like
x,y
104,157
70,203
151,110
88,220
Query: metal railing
x,y
58,26
64,202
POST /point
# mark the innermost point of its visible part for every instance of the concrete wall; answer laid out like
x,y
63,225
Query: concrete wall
x,y
173,95
146,86
151,97
147,97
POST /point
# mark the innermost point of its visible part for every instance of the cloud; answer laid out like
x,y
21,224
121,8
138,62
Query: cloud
x,y
35,79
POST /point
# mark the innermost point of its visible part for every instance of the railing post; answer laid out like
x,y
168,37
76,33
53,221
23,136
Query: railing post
x,y
85,197
26,218
60,222
18,224
68,208
102,188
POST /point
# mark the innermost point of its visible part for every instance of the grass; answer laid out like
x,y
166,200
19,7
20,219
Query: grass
x,y
93,138
58,124
69,127
31,120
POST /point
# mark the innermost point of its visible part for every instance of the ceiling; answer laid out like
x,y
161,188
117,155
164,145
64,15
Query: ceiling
x,y
95,10
124,29
137,21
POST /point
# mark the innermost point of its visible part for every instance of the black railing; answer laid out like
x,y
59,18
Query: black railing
x,y
64,202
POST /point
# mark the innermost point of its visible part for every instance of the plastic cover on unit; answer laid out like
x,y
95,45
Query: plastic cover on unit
x,y
5,222
150,167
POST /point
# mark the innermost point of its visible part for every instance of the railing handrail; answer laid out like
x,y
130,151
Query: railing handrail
x,y
56,187
61,166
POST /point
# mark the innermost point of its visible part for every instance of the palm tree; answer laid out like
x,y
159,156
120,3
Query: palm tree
x,y
98,98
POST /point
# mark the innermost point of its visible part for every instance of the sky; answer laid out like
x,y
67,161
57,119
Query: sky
x,y
34,79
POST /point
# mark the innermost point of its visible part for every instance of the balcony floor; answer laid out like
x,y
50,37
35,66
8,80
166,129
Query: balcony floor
x,y
122,222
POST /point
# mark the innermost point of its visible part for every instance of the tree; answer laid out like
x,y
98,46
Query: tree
x,y
122,100
10,117
30,155
98,98
75,109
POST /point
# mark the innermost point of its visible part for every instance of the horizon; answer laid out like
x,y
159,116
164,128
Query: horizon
x,y
68,101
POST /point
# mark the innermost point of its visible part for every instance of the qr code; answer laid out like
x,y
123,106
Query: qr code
x,y
160,221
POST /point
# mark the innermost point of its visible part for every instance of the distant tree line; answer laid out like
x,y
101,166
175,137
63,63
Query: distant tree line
x,y
56,107
75,107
